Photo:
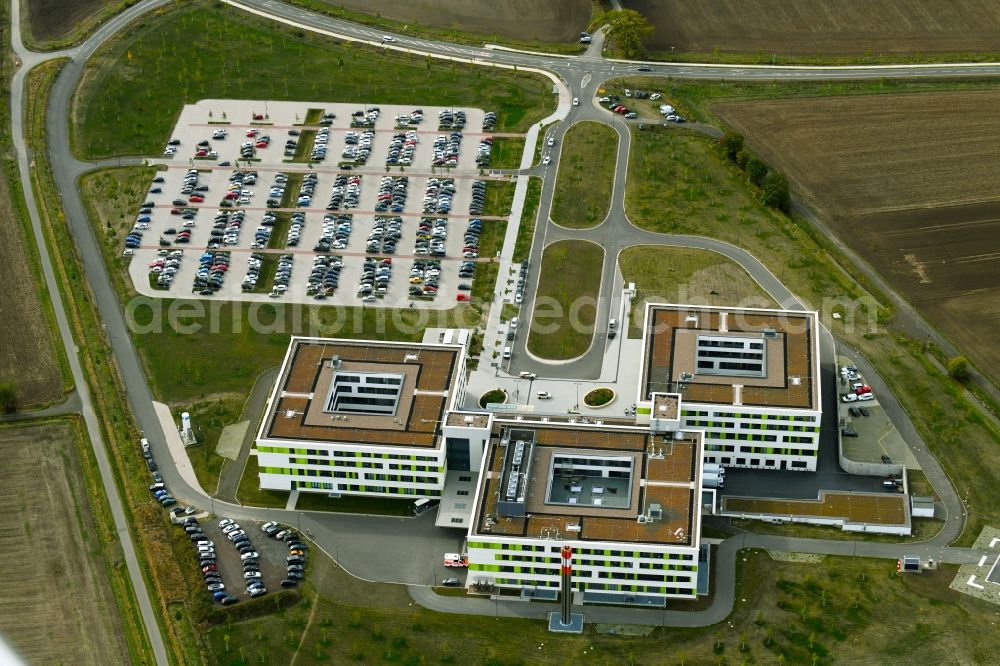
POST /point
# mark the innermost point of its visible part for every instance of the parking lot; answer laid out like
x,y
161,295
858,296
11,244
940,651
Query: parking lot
x,y
230,564
868,433
392,204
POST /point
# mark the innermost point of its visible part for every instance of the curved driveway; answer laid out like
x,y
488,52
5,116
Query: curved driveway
x,y
400,543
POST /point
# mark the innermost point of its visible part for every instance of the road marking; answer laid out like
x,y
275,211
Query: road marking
x,y
973,583
586,80
982,560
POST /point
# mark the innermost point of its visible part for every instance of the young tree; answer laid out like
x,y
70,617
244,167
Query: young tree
x,y
8,397
958,368
774,192
627,28
731,144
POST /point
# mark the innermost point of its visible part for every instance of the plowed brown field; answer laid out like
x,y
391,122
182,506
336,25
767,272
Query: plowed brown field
x,y
57,606
822,27
544,20
908,181
55,19
28,358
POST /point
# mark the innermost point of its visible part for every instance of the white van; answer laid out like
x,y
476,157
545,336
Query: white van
x,y
544,395
506,352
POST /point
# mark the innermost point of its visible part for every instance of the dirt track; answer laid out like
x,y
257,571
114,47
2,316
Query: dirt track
x,y
912,192
822,27
544,20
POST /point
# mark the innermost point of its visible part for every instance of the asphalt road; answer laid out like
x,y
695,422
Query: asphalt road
x,y
403,545
28,60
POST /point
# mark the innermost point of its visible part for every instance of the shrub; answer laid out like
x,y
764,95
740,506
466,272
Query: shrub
x,y
756,170
774,192
8,397
958,368
731,145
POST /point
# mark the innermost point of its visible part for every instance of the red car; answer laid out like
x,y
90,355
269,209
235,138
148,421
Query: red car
x,y
210,567
258,116
196,199
462,297
262,144
201,153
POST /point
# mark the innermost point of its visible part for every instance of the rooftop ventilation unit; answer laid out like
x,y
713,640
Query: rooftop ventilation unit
x,y
334,362
770,332
572,528
411,357
469,418
656,511
796,381
289,413
691,319
687,376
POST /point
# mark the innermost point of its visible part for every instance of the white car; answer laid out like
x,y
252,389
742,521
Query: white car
x,y
655,96
546,160
387,38
576,101
552,141
866,396
850,397
225,522
231,527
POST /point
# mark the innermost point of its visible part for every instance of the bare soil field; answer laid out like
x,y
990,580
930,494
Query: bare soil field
x,y
28,359
822,27
544,20
55,19
914,195
57,606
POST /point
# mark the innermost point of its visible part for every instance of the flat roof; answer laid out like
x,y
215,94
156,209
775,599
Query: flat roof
x,y
874,508
785,355
297,408
663,472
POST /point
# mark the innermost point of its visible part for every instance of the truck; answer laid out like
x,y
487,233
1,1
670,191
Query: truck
x,y
712,481
713,468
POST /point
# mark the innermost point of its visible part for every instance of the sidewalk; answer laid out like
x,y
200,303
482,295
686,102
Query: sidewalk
x,y
176,447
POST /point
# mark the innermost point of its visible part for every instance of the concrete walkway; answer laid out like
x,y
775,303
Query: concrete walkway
x,y
178,452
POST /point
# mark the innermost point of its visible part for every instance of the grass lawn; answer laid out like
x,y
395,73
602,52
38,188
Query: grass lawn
x,y
506,152
598,397
490,242
188,53
586,175
697,193
526,230
562,324
835,611
209,417
685,275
